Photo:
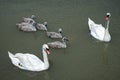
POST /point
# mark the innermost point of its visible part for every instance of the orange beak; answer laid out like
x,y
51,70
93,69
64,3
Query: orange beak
x,y
107,18
48,51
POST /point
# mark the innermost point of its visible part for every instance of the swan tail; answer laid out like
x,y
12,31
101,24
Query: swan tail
x,y
89,20
14,59
10,55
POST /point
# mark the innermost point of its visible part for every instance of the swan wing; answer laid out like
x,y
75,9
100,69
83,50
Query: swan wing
x,y
41,27
54,35
28,20
26,61
14,60
92,24
29,59
34,60
96,30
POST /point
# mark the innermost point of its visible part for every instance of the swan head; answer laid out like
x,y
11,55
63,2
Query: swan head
x,y
60,30
46,48
108,15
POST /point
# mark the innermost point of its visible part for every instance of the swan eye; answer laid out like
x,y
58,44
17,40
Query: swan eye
x,y
20,64
47,49
107,15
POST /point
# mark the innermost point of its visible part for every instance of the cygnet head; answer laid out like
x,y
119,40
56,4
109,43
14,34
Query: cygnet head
x,y
33,16
45,23
60,30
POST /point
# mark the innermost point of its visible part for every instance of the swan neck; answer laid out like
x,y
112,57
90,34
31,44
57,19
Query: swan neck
x,y
106,33
45,58
107,24
64,41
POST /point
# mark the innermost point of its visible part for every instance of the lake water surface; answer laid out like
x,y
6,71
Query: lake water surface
x,y
84,59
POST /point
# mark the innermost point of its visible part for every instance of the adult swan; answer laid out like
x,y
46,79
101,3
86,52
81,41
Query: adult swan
x,y
98,31
29,61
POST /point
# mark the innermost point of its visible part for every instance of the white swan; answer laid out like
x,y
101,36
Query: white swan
x,y
55,34
31,62
58,44
98,31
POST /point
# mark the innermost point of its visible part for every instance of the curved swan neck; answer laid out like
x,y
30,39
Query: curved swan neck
x,y
107,24
108,15
106,34
45,58
64,42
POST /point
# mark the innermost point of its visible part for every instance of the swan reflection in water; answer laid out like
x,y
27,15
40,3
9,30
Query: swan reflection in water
x,y
44,75
105,53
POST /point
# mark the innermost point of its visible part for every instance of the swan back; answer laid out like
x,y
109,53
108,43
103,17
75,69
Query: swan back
x,y
29,20
26,27
55,34
58,44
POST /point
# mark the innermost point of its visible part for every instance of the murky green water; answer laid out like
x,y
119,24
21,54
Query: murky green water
x,y
84,59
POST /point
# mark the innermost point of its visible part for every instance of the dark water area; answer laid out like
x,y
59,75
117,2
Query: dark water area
x,y
84,59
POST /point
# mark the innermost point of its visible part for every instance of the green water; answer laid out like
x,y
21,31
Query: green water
x,y
84,59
